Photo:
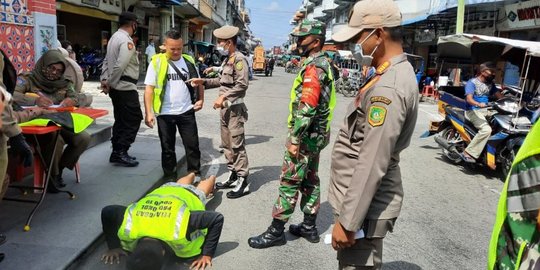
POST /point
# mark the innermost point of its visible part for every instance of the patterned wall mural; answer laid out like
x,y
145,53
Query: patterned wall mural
x,y
17,38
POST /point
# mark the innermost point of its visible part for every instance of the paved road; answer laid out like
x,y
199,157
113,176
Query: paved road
x,y
447,215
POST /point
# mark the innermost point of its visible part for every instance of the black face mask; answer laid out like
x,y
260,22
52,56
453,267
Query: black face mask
x,y
134,27
490,79
302,49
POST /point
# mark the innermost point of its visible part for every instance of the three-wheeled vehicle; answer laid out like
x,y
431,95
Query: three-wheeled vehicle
x,y
515,113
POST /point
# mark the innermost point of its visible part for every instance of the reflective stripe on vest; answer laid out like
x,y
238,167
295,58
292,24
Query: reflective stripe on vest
x,y
164,215
161,71
530,147
298,81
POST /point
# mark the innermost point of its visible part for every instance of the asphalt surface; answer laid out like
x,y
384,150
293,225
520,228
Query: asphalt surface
x,y
446,219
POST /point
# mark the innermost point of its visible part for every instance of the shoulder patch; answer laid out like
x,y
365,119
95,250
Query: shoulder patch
x,y
376,116
130,46
239,65
380,99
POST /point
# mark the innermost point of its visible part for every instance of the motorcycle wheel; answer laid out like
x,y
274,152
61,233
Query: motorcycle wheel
x,y
348,90
338,84
452,136
507,161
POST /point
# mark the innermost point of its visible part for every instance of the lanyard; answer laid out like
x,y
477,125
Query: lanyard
x,y
378,73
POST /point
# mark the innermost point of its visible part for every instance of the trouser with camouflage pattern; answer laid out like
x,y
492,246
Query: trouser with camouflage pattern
x,y
298,175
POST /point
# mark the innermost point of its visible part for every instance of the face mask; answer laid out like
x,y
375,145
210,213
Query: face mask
x,y
222,50
358,52
134,27
303,49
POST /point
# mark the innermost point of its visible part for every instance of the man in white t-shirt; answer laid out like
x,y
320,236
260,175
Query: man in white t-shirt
x,y
175,104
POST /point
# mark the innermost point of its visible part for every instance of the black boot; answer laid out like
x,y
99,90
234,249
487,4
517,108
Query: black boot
x,y
306,229
273,236
3,239
121,158
52,187
58,181
230,183
241,189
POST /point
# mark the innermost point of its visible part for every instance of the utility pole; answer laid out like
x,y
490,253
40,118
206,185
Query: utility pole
x,y
460,16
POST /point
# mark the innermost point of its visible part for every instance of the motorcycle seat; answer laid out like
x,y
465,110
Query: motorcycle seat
x,y
457,113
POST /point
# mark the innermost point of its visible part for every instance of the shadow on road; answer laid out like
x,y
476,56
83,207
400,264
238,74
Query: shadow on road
x,y
400,265
262,175
256,139
430,147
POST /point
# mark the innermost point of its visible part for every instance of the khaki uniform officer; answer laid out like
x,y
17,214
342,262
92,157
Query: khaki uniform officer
x,y
365,189
233,83
119,79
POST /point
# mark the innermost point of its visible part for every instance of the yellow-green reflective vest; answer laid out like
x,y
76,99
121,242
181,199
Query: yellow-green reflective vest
x,y
299,80
163,214
530,147
161,82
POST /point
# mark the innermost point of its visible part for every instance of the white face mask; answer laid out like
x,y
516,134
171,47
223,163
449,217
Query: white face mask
x,y
221,50
358,52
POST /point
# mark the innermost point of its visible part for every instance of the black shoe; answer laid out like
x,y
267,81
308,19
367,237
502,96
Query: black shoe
x,y
309,232
58,181
52,187
270,238
130,156
170,177
230,183
241,189
2,256
122,158
2,239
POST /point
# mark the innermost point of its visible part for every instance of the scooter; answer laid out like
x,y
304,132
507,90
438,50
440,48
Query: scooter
x,y
510,125
91,64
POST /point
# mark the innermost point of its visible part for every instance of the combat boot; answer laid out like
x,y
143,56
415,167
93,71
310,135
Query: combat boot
x,y
270,238
230,183
306,229
241,189
121,158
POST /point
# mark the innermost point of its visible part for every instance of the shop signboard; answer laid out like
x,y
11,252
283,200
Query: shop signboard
x,y
523,15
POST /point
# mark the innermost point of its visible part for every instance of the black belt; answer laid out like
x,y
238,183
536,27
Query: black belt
x,y
128,79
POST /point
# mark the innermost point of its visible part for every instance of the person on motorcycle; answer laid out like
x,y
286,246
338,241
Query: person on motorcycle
x,y
478,90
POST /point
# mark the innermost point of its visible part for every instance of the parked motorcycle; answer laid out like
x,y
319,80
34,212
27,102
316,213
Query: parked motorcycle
x,y
91,64
510,125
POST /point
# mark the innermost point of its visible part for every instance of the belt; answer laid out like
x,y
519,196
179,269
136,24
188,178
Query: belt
x,y
129,79
237,101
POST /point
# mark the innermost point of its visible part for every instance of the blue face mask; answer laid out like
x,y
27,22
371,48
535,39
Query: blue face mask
x,y
358,52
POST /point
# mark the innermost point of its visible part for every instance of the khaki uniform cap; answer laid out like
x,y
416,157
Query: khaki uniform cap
x,y
226,32
369,14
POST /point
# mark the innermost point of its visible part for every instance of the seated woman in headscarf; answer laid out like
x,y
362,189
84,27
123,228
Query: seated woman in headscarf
x,y
46,86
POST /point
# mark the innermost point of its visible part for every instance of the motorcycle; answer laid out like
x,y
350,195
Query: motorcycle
x,y
510,125
91,64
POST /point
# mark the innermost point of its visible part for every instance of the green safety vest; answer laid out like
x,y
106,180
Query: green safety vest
x,y
164,214
75,122
299,80
162,70
530,147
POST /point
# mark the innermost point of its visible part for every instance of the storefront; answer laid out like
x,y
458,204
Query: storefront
x,y
87,24
522,22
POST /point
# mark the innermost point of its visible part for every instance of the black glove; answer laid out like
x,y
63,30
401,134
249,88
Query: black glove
x,y
21,147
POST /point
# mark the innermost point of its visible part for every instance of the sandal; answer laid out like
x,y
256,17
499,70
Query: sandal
x,y
467,158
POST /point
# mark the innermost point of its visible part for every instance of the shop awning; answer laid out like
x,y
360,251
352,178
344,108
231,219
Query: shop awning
x,y
414,20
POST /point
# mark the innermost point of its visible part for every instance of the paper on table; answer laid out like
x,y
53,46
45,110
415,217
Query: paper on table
x,y
358,235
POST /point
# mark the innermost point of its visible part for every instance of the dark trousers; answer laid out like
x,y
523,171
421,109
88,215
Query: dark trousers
x,y
127,118
187,127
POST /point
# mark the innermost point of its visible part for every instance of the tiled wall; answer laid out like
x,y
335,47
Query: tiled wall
x,y
17,33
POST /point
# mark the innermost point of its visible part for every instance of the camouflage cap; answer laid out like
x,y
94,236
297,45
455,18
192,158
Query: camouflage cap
x,y
308,27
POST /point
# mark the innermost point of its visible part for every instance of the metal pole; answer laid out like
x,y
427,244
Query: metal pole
x,y
460,16
172,16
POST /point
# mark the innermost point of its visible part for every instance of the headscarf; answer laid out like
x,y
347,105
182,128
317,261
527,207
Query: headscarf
x,y
38,78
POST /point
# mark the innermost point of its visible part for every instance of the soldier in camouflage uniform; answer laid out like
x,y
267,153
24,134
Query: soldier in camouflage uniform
x,y
311,106
515,239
